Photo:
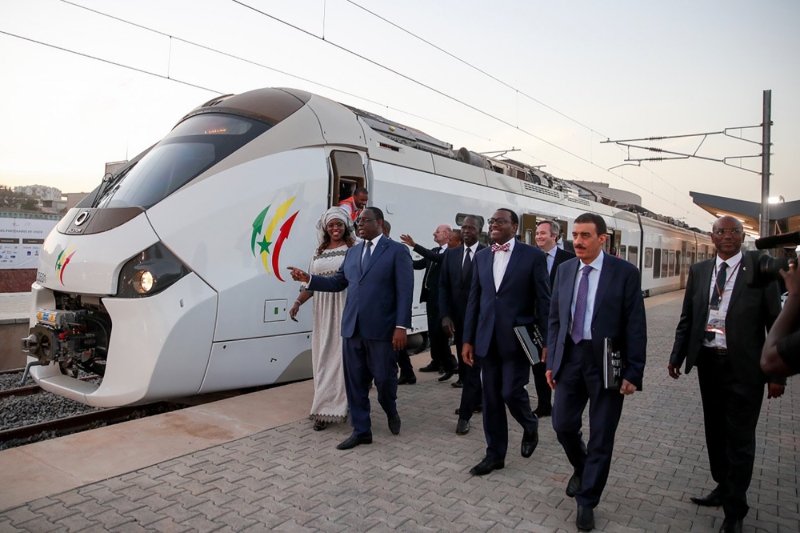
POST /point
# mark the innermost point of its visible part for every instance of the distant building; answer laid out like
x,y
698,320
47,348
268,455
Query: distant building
x,y
72,198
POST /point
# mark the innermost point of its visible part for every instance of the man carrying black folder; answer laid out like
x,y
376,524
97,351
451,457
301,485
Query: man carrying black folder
x,y
596,297
509,288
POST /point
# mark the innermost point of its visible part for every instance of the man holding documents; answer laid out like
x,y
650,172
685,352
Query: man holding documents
x,y
510,288
596,298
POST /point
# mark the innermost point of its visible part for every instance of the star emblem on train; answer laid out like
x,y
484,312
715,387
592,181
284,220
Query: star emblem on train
x,y
265,242
62,261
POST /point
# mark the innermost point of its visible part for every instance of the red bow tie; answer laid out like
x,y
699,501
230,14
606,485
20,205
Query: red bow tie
x,y
500,247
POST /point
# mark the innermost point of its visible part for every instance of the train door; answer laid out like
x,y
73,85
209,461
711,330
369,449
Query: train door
x,y
527,228
347,173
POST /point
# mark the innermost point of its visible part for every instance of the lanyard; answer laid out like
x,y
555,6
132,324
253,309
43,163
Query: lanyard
x,y
727,280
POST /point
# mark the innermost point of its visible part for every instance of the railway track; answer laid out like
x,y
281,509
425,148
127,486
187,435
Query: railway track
x,y
27,390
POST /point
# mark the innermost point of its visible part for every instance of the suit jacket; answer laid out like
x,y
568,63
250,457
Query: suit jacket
x,y
431,261
618,314
379,298
522,299
453,289
751,311
561,256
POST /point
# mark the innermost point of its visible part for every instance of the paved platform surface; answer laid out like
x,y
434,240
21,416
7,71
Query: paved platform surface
x,y
290,478
15,307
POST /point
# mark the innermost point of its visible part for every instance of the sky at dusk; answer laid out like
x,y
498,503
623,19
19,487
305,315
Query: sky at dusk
x,y
92,81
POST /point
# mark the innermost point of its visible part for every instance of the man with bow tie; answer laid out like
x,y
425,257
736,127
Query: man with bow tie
x,y
510,288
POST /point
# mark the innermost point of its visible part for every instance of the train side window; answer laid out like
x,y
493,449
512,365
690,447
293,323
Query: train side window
x,y
623,252
670,262
348,175
633,254
648,258
678,263
656,263
665,263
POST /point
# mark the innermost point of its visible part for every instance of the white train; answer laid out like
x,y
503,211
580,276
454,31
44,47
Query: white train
x,y
170,278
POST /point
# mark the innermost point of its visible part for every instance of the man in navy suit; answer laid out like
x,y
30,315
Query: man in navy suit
x,y
595,296
547,233
454,285
379,279
509,289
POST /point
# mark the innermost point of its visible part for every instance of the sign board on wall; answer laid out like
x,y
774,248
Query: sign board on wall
x,y
21,241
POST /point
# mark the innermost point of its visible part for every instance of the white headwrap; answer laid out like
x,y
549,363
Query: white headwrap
x,y
334,213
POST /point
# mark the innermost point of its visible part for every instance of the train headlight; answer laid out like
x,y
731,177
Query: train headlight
x,y
150,272
143,281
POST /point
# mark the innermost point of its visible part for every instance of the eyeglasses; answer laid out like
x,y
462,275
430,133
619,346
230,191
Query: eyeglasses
x,y
364,220
723,231
498,221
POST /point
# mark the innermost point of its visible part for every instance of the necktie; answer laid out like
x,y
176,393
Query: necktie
x,y
580,306
719,287
367,255
466,267
500,248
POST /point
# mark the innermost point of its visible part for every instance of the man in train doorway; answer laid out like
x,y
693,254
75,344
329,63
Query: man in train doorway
x,y
509,289
356,203
441,356
454,286
379,279
595,297
547,234
721,331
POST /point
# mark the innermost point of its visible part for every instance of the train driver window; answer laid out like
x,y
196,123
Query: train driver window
x,y
656,263
633,255
648,258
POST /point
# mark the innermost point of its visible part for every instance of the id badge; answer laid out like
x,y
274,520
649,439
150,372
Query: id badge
x,y
716,323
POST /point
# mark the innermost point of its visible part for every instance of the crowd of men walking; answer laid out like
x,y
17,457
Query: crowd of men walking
x,y
479,296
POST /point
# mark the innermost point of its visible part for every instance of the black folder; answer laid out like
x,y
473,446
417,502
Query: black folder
x,y
612,366
531,341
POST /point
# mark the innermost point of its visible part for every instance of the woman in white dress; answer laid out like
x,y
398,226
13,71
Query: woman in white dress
x,y
335,233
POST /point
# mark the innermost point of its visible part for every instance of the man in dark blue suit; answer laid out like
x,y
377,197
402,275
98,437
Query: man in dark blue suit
x,y
595,296
509,289
454,285
547,234
379,279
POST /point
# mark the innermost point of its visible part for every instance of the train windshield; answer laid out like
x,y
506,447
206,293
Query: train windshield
x,y
191,147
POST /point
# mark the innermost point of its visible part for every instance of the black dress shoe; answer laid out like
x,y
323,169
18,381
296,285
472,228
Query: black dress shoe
x,y
463,427
714,499
432,367
731,525
487,465
447,375
394,424
353,441
574,484
458,384
407,380
543,410
585,520
529,442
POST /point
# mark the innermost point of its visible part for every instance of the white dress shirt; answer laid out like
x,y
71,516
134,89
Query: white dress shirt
x,y
501,262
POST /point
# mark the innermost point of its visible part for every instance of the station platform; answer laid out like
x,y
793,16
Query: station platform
x,y
253,463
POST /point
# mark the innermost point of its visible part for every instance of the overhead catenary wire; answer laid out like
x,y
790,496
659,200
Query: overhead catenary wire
x,y
307,80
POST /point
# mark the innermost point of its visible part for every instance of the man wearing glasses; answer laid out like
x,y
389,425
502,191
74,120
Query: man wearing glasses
x,y
379,279
510,288
721,331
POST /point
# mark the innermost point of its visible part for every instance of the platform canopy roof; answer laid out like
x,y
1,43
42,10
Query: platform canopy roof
x,y
787,213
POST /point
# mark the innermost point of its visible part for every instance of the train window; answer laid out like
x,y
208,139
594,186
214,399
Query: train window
x,y
193,146
656,262
665,263
677,263
348,174
623,252
670,262
633,254
648,258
